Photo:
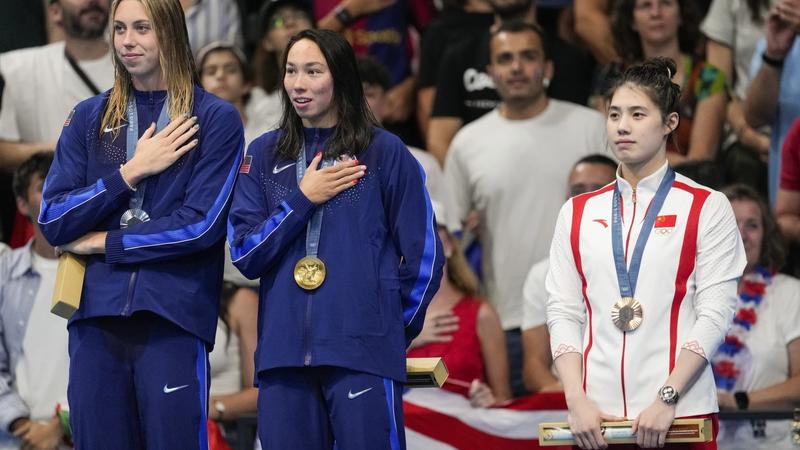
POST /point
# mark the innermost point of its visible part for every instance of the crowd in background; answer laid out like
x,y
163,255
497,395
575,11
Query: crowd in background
x,y
503,103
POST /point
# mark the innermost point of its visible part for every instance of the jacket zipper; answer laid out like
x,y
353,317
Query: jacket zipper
x,y
307,330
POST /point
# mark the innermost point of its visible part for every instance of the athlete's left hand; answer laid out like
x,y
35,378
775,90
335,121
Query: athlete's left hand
x,y
652,424
89,244
480,394
42,435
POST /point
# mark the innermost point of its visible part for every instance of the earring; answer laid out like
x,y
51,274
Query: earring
x,y
546,82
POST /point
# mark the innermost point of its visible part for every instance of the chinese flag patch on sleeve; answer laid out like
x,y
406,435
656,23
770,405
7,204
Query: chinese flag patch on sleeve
x,y
666,221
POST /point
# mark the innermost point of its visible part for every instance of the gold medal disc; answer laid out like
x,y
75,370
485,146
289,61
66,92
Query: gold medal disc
x,y
627,314
309,272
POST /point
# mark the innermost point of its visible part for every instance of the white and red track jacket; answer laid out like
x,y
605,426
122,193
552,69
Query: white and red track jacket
x,y
686,285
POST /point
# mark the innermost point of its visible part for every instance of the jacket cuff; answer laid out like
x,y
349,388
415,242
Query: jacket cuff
x,y
114,250
300,204
11,408
116,185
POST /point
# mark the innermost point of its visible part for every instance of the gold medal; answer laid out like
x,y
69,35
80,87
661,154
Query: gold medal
x,y
627,314
309,272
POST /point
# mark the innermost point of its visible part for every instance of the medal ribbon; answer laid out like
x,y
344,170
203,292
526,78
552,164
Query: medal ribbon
x,y
314,227
627,276
137,198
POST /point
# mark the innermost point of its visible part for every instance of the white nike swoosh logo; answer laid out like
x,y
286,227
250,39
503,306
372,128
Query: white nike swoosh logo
x,y
351,395
169,390
277,170
109,129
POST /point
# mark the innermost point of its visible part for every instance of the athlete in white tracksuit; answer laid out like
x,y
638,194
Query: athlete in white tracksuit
x,y
686,284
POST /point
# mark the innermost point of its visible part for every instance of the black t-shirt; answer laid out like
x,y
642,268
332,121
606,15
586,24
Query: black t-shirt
x,y
465,90
447,31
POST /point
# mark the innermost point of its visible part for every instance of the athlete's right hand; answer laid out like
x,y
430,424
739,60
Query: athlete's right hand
x,y
584,421
321,185
154,153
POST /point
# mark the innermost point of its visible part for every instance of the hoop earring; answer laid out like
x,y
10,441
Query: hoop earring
x,y
546,82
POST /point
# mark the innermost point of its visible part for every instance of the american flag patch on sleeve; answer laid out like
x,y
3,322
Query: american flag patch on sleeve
x,y
69,118
245,167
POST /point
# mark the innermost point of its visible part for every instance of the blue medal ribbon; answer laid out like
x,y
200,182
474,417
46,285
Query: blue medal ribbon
x,y
314,227
136,213
627,276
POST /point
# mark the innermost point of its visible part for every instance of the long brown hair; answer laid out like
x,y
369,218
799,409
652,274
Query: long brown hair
x,y
459,272
628,43
176,59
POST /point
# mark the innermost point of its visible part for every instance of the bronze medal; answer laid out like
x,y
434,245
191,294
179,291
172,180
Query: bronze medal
x,y
309,272
627,314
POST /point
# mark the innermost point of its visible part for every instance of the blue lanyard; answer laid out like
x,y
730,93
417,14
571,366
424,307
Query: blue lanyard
x,y
137,199
314,227
627,276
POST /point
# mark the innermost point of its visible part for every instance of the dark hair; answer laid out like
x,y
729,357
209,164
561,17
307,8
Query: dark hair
x,y
654,77
353,130
37,164
521,26
773,250
218,47
267,67
374,73
596,158
628,42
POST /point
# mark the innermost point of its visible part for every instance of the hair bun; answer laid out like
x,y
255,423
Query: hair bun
x,y
661,65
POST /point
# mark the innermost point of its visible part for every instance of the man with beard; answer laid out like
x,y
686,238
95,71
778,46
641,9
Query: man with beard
x,y
44,83
509,167
465,91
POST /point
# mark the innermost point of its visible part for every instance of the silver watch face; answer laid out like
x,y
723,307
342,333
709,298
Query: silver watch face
x,y
668,395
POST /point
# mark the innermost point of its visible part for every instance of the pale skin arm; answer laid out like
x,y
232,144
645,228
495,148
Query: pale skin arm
x,y
584,416
720,55
787,211
536,371
12,154
781,396
762,95
400,100
441,131
356,8
652,424
243,319
593,26
493,350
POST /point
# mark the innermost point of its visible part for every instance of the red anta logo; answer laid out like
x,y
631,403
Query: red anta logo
x,y
601,222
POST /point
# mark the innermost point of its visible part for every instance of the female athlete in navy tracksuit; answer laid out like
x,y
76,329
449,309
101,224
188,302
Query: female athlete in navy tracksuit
x,y
348,258
147,205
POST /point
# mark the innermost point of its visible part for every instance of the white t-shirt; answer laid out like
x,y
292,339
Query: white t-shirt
x,y
730,23
513,172
226,373
263,113
534,294
42,88
43,368
778,324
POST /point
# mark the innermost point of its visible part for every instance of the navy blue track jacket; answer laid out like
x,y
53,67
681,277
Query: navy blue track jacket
x,y
379,243
171,265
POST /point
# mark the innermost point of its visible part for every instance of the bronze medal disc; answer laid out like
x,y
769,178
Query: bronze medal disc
x,y
309,272
627,314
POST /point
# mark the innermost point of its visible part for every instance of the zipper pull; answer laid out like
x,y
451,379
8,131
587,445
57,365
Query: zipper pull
x,y
633,197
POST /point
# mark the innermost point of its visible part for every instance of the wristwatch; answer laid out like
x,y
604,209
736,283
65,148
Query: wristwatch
x,y
742,400
219,407
668,395
343,15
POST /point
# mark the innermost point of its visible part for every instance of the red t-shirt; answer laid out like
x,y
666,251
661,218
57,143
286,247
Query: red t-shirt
x,y
790,159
